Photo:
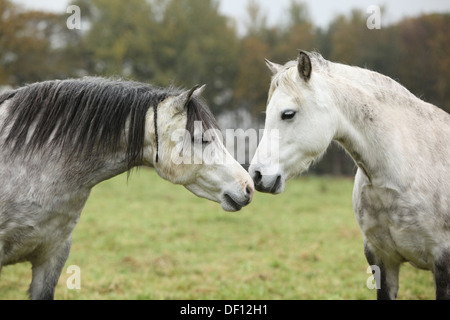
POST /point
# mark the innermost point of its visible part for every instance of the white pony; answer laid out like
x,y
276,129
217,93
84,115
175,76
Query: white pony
x,y
400,144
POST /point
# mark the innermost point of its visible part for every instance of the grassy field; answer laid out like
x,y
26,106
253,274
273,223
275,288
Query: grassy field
x,y
149,239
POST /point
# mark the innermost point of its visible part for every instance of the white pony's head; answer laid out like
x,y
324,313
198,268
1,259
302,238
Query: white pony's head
x,y
300,124
189,151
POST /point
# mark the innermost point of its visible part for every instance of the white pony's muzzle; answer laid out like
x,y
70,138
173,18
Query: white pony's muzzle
x,y
267,180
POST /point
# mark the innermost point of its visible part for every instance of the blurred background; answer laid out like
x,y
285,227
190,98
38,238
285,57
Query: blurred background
x,y
223,43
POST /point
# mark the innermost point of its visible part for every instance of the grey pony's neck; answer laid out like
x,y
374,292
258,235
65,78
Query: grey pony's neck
x,y
93,171
79,173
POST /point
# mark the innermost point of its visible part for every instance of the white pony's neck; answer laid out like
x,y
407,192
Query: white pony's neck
x,y
371,107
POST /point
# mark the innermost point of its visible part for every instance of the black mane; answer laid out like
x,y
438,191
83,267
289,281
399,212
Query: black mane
x,y
88,115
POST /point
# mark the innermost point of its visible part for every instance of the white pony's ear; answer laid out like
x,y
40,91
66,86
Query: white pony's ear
x,y
304,66
273,67
182,101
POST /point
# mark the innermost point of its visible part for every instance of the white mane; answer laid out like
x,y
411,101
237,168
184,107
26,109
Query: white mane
x,y
342,76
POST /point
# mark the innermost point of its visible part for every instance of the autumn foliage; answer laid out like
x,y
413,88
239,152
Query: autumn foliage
x,y
188,42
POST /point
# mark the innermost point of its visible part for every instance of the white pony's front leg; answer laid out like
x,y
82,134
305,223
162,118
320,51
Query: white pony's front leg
x,y
46,273
441,273
1,258
388,279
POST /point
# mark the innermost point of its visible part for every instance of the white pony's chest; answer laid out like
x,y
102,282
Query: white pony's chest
x,y
392,226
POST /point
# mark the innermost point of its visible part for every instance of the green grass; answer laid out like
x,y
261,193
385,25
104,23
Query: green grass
x,y
149,239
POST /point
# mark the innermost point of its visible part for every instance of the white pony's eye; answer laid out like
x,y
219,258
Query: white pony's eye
x,y
288,115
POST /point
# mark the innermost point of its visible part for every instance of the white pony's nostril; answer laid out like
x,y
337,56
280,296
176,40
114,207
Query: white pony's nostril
x,y
276,185
257,177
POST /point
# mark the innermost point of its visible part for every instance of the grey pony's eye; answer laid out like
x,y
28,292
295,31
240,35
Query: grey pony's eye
x,y
288,115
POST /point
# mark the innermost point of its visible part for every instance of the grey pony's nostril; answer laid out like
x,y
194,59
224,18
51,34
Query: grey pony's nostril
x,y
258,177
248,193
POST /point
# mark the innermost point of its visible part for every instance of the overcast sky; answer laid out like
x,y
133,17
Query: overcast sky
x,y
321,11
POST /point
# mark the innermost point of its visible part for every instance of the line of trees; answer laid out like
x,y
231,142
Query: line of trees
x,y
188,42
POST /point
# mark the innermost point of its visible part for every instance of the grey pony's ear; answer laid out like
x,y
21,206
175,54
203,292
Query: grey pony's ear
x,y
273,67
184,98
304,66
